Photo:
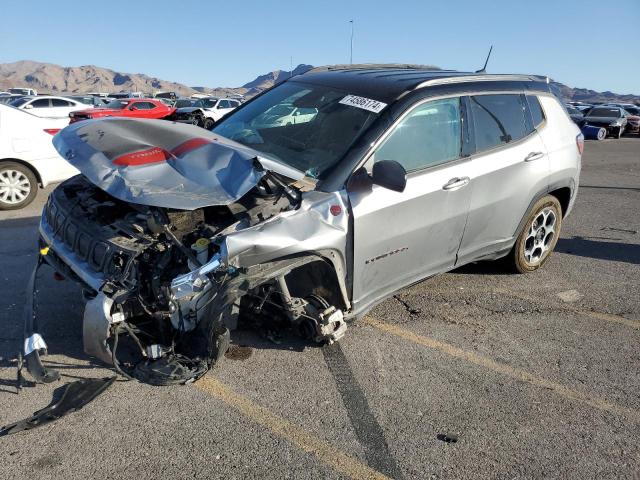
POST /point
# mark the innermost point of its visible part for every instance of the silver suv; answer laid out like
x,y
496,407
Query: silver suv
x,y
387,177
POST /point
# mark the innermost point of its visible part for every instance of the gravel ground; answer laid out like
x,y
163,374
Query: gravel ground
x,y
474,373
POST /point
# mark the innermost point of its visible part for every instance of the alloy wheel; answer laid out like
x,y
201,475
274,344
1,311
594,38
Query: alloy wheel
x,y
539,240
14,187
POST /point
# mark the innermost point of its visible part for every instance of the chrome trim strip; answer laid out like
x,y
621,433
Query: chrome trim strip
x,y
476,78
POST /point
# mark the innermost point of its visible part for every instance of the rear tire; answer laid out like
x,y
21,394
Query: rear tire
x,y
18,186
538,237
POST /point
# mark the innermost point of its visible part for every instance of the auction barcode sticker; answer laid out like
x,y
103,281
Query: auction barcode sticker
x,y
364,103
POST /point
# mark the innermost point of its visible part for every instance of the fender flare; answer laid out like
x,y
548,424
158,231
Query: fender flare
x,y
567,183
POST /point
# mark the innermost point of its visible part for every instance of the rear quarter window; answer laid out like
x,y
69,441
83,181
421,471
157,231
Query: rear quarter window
x,y
537,114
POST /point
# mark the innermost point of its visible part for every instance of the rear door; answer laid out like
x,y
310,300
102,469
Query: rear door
x,y
509,168
400,238
62,108
40,107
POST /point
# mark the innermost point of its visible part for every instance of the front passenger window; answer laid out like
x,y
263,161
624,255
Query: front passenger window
x,y
429,135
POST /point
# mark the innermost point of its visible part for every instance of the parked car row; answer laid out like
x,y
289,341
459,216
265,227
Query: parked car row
x,y
616,119
202,110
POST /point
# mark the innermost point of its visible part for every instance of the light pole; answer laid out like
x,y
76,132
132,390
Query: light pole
x,y
351,51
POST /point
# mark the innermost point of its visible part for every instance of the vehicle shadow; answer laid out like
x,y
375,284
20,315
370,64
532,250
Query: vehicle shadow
x,y
485,267
245,339
612,251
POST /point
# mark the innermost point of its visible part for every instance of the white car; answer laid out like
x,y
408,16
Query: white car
x,y
49,106
283,115
27,156
203,111
23,91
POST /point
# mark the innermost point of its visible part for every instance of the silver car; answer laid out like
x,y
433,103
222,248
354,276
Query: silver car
x,y
178,235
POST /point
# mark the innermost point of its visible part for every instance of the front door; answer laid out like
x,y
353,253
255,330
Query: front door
x,y
402,237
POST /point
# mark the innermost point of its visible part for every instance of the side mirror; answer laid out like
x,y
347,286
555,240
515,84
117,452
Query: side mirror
x,y
389,174
28,107
133,108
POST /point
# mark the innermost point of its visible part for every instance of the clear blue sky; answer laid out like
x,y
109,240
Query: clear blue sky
x,y
583,43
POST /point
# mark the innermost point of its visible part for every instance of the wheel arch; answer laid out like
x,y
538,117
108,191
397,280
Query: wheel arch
x,y
301,268
563,194
562,190
25,164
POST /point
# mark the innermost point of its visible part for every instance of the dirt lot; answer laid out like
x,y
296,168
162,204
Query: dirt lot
x,y
536,375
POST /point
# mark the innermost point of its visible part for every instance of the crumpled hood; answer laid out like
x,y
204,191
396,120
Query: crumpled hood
x,y
163,164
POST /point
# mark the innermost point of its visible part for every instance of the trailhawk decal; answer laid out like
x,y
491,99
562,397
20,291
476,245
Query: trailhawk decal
x,y
365,103
385,255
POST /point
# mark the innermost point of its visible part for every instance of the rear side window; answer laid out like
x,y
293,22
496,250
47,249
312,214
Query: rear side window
x,y
498,119
58,102
537,115
41,103
429,135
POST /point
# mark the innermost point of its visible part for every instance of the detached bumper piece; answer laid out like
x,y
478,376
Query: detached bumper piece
x,y
33,342
75,396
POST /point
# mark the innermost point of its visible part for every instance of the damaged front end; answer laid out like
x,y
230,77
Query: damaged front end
x,y
176,235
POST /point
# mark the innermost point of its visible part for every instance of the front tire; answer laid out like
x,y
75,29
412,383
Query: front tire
x,y
539,236
208,123
18,186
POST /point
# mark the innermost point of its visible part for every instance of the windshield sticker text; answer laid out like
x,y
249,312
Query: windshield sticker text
x,y
364,103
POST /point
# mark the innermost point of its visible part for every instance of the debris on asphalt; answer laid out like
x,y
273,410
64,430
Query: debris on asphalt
x,y
447,438
569,296
75,395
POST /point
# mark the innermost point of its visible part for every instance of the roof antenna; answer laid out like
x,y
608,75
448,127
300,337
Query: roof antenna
x,y
484,69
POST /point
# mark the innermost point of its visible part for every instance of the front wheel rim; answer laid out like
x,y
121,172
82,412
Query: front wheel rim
x,y
540,236
15,187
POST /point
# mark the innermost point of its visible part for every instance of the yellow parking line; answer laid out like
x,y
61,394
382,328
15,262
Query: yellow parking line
x,y
503,369
330,455
589,313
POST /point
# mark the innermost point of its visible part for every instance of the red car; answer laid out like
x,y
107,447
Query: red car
x,y
126,107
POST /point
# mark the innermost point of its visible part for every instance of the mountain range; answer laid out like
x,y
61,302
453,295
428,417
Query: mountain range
x,y
51,78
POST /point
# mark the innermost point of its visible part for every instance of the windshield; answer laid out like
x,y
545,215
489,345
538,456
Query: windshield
x,y
117,104
19,91
573,111
209,102
604,112
313,141
185,102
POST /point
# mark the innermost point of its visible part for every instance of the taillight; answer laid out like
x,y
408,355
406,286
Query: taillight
x,y
580,143
52,131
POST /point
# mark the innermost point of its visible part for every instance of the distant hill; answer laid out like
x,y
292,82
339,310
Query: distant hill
x,y
51,78
273,78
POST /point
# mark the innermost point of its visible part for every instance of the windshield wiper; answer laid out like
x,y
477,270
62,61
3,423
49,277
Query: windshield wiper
x,y
292,193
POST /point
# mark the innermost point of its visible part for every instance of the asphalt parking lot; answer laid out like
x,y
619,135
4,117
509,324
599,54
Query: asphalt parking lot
x,y
474,373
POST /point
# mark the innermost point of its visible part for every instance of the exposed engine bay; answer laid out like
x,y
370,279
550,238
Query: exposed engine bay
x,y
155,283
